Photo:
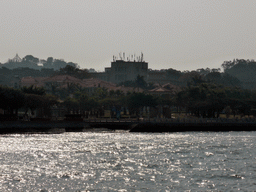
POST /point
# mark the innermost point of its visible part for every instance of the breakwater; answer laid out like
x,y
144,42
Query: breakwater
x,y
132,126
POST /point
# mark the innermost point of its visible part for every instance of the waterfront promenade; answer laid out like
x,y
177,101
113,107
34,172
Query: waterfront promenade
x,y
132,125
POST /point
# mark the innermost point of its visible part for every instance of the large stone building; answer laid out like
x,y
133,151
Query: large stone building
x,y
128,69
124,70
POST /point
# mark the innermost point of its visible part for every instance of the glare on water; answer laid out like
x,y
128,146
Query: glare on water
x,y
92,161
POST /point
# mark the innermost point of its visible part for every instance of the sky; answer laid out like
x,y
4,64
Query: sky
x,y
178,34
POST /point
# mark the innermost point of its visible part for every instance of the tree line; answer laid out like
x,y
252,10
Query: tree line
x,y
34,98
27,98
8,75
29,61
209,100
201,99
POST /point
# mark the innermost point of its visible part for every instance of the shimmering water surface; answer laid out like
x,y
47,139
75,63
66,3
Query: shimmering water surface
x,y
128,162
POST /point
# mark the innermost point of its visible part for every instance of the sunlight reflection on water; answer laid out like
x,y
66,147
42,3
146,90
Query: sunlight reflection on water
x,y
128,161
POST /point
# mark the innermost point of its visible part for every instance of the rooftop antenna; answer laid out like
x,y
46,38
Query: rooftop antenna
x,y
124,55
141,57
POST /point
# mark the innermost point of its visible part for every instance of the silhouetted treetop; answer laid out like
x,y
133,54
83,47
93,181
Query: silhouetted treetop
x,y
242,69
74,71
35,63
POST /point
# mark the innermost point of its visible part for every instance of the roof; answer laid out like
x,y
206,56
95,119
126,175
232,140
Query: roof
x,y
63,79
127,89
166,88
172,87
93,82
159,89
36,81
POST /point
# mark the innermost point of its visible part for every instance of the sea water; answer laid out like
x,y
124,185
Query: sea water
x,y
110,161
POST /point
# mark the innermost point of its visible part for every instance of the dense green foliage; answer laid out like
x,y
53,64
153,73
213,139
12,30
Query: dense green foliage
x,y
73,71
139,82
243,70
209,100
35,67
198,99
33,90
11,100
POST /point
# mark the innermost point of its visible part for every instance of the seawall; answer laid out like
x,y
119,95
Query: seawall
x,y
184,127
132,126
60,126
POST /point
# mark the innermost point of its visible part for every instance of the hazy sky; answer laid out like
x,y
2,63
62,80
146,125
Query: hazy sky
x,y
179,34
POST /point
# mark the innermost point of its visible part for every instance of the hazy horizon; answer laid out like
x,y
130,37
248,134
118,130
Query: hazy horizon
x,y
184,35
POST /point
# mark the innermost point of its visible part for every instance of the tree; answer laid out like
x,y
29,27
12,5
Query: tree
x,y
243,70
172,73
71,104
206,100
48,63
191,77
229,80
214,77
49,60
33,102
33,90
74,71
47,102
140,82
136,101
31,59
11,100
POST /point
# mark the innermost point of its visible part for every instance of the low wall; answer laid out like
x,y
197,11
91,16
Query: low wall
x,y
184,127
132,126
41,126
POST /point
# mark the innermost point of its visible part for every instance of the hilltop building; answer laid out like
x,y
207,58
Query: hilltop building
x,y
128,69
124,69
16,59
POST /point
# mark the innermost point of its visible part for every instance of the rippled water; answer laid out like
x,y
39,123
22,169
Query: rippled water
x,y
128,162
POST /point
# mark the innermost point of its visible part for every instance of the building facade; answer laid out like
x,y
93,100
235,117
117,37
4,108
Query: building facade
x,y
124,70
127,70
